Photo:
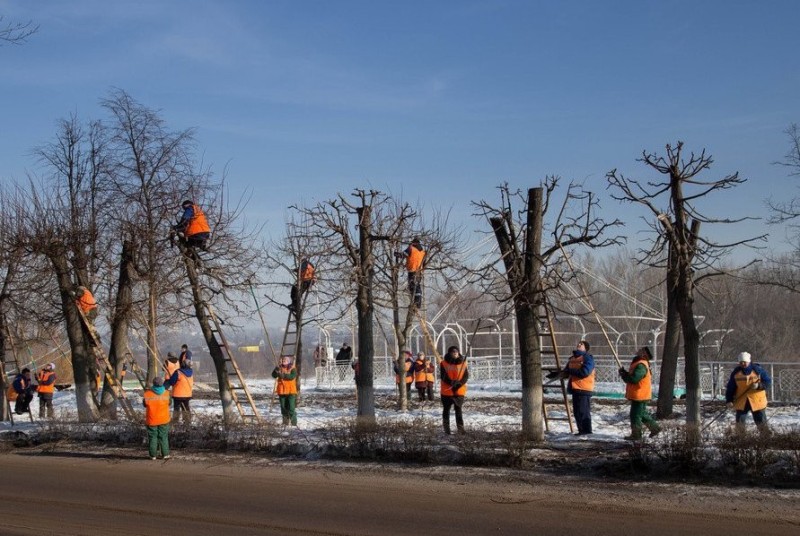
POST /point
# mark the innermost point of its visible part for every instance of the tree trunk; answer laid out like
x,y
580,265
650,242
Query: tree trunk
x,y
524,276
365,313
214,349
4,413
669,358
119,325
83,362
531,369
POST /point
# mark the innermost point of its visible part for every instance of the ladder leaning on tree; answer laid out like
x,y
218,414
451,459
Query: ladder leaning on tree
x,y
547,322
242,398
104,365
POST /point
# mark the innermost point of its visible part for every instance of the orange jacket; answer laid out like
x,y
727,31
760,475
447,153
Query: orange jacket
x,y
47,381
86,302
643,389
198,224
156,407
414,259
420,376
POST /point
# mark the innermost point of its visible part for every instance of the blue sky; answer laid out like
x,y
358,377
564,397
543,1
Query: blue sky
x,y
439,101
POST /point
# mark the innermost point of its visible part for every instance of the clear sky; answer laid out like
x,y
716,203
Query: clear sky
x,y
439,100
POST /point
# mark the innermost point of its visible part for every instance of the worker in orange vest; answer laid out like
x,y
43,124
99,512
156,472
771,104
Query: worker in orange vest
x,y
171,364
156,414
305,278
46,378
181,382
454,376
192,227
414,255
424,377
639,390
286,375
746,391
85,301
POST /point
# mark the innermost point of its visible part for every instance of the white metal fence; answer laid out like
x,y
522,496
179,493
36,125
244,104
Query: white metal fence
x,y
503,373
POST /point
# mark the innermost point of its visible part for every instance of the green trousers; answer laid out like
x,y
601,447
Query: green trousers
x,y
288,408
157,436
639,416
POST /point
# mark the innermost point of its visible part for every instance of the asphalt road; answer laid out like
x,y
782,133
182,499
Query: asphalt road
x,y
61,492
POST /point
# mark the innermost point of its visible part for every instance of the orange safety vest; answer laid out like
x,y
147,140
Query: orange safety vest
x,y
171,368
86,302
406,368
414,260
44,376
582,384
156,406
11,394
308,273
420,376
643,390
198,223
758,399
183,387
455,372
286,387
430,373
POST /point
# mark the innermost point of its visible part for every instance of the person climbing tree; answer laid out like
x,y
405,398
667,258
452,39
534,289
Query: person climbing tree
x,y
414,255
85,301
306,278
193,226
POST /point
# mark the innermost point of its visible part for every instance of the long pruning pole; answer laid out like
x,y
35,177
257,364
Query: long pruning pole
x,y
263,325
585,299
725,409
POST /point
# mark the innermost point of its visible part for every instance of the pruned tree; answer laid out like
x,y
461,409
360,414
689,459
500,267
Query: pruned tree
x,y
532,270
64,223
282,273
681,251
350,224
397,223
222,278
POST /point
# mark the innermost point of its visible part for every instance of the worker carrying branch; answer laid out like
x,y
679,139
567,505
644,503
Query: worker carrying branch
x,y
414,255
192,227
305,278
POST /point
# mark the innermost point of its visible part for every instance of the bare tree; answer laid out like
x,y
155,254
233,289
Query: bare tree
x,y
351,225
64,223
685,255
150,167
532,270
16,33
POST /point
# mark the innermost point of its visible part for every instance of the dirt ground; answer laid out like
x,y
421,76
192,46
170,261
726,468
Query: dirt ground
x,y
67,490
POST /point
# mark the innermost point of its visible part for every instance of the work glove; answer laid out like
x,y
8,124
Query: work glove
x,y
456,386
729,405
553,375
757,386
623,372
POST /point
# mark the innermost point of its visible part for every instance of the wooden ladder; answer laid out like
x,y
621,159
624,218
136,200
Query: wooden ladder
x,y
552,350
11,365
105,367
233,377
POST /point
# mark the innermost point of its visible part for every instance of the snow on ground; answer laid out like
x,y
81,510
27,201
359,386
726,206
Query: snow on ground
x,y
486,408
